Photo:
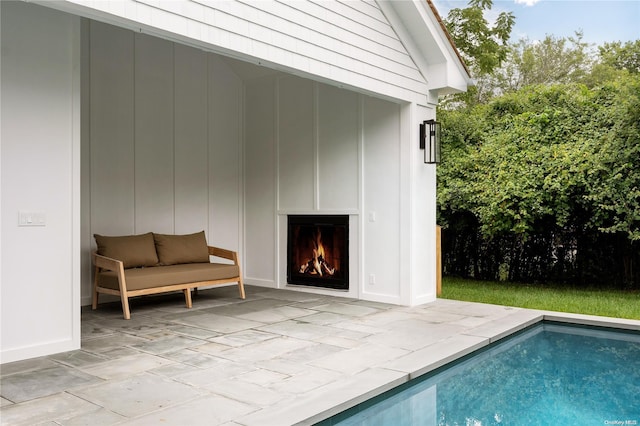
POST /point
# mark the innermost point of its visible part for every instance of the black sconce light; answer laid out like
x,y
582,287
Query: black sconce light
x,y
430,141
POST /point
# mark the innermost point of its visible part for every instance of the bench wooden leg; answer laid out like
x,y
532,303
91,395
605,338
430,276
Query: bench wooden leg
x,y
94,300
125,306
187,297
241,288
94,296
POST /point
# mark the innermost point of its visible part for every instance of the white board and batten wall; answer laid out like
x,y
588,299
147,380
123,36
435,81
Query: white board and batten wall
x,y
40,178
165,138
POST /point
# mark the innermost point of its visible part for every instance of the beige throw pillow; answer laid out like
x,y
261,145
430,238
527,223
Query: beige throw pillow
x,y
176,249
133,250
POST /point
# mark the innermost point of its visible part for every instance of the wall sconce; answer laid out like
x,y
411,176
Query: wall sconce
x,y
430,141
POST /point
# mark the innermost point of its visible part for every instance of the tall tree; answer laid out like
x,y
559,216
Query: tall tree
x,y
482,45
550,61
622,56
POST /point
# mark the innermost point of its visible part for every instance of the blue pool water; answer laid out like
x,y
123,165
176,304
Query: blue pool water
x,y
550,374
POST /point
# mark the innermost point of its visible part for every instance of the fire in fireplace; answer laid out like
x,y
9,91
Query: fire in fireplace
x,y
318,251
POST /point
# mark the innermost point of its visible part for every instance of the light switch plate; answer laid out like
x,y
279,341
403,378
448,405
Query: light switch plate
x,y
32,218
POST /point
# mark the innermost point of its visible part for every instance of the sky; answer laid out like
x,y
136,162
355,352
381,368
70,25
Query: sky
x,y
600,21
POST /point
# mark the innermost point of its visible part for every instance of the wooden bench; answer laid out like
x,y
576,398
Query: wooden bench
x,y
126,267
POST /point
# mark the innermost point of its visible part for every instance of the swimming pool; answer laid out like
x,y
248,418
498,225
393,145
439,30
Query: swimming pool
x,y
550,374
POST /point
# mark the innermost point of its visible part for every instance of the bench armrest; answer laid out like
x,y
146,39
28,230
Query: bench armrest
x,y
107,263
223,253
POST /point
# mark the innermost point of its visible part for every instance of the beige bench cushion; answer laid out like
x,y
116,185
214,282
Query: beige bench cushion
x,y
133,250
158,276
177,249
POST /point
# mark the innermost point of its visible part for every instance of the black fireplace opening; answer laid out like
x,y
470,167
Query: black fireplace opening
x,y
318,251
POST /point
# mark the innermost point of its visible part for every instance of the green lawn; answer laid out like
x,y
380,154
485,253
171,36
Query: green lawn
x,y
609,303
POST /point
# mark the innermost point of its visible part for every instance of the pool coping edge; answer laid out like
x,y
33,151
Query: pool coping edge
x,y
530,318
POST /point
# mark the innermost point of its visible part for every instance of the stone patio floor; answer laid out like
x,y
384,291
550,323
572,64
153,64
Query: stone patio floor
x,y
280,357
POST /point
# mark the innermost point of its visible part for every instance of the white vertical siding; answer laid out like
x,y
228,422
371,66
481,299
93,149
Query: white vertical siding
x,y
165,138
382,201
154,135
260,178
40,162
191,165
347,43
338,149
296,144
112,129
225,153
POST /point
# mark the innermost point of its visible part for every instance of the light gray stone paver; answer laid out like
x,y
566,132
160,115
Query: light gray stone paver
x,y
297,329
381,320
172,370
219,323
262,377
283,366
50,408
138,395
508,324
93,329
358,327
242,338
355,360
346,309
101,417
22,387
211,348
208,410
413,334
262,351
276,314
308,379
342,342
192,358
222,371
166,344
126,366
249,393
279,357
26,366
470,322
331,398
247,307
197,332
310,353
323,318
116,353
105,344
434,356
78,358
141,325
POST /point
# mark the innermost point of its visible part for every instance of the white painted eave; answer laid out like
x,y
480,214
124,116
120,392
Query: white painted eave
x,y
427,42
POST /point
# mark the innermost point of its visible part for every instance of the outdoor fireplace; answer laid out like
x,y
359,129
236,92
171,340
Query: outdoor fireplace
x,y
318,251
